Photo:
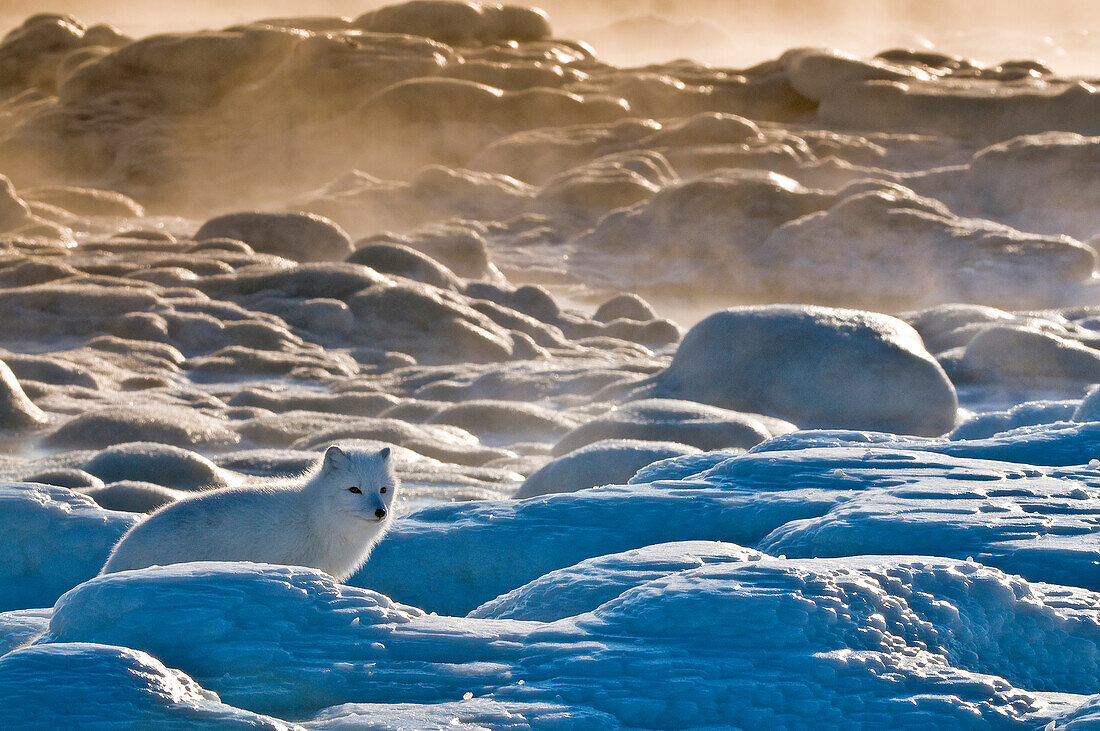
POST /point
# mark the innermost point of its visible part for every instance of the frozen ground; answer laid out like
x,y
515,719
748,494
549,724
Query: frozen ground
x,y
638,487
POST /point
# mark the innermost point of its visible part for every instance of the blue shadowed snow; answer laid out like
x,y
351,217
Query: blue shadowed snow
x,y
1056,444
824,643
881,497
52,539
87,685
669,603
1029,413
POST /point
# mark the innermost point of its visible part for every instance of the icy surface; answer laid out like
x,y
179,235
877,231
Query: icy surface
x,y
879,628
472,713
85,685
53,539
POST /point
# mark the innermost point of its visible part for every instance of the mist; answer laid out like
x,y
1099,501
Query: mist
x,y
734,34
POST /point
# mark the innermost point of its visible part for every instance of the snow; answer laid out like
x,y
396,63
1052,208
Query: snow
x,y
89,685
774,641
1055,444
588,584
472,713
53,539
21,626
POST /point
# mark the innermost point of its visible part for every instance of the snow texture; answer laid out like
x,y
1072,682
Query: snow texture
x,y
53,539
838,643
89,685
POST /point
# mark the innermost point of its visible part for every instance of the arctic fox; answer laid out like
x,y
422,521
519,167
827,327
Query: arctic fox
x,y
329,519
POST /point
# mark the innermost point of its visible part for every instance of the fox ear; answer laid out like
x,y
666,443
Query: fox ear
x,y
335,459
384,454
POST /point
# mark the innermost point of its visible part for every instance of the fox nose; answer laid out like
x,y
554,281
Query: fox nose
x,y
381,513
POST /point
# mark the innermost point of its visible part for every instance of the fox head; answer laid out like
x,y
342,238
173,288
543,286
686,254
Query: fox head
x,y
359,482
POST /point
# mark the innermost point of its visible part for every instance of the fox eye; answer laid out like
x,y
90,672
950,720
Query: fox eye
x,y
355,490
382,491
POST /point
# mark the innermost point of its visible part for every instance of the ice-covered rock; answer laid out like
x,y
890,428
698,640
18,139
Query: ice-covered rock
x,y
1001,353
602,462
301,237
82,684
710,226
17,411
504,421
132,496
818,73
969,106
464,24
53,539
405,262
85,201
808,365
161,464
671,420
174,426
888,244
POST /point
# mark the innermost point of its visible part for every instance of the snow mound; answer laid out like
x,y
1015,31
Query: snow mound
x,y
679,468
1029,413
22,626
826,494
837,643
53,539
1084,717
808,365
87,685
670,420
604,462
585,586
299,620
1058,444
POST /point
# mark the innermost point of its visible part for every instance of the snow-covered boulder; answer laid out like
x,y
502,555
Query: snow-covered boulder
x,y
296,236
469,713
773,642
52,539
814,366
882,243
670,420
805,494
606,462
585,586
88,685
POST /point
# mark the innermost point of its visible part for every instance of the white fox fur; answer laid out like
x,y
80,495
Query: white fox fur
x,y
317,520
